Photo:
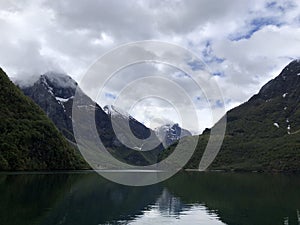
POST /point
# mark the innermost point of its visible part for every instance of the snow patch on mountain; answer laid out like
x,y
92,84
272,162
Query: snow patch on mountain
x,y
63,99
170,133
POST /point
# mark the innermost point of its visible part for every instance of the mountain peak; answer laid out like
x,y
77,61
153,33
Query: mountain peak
x,y
283,85
51,78
292,69
170,133
59,84
60,79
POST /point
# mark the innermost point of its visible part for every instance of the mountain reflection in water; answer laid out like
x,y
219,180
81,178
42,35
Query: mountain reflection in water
x,y
187,198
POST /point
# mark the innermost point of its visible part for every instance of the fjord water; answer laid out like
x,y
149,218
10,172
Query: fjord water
x,y
187,198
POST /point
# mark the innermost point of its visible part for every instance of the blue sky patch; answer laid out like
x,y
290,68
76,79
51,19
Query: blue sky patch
x,y
255,25
219,104
110,95
196,65
275,6
180,74
209,56
218,74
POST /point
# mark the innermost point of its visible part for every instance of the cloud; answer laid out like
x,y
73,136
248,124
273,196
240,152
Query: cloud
x,y
243,43
252,62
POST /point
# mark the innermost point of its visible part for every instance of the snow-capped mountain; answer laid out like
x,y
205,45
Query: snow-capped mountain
x,y
54,93
28,139
139,130
170,133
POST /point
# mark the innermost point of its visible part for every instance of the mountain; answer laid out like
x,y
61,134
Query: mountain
x,y
263,134
120,116
28,139
170,133
54,93
167,134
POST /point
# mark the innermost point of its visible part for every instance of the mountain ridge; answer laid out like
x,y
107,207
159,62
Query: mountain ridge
x,y
29,140
57,100
262,134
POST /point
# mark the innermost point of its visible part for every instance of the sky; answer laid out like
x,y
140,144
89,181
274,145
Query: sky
x,y
243,43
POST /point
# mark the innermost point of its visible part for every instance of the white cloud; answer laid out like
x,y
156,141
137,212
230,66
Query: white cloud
x,y
244,42
252,62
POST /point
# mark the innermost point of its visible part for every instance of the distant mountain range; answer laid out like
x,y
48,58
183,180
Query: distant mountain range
x,y
54,93
263,134
170,133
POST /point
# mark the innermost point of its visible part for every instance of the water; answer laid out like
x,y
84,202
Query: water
x,y
187,198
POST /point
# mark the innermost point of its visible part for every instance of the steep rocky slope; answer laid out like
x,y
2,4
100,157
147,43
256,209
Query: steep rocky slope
x,y
28,139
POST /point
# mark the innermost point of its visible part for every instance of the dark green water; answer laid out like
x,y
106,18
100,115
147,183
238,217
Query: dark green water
x,y
187,198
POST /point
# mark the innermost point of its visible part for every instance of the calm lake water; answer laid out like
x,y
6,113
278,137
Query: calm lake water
x,y
187,198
